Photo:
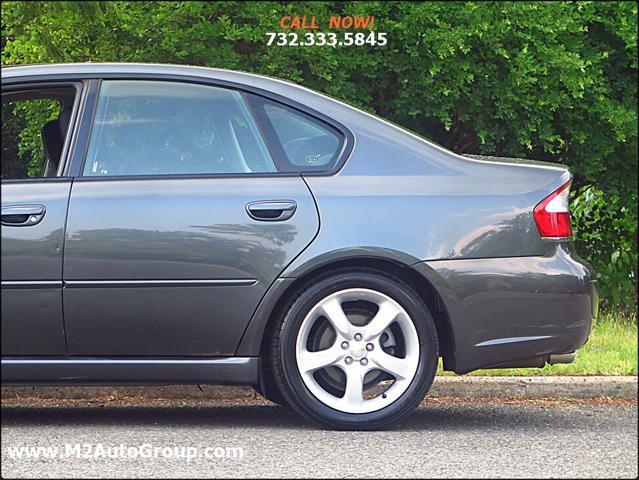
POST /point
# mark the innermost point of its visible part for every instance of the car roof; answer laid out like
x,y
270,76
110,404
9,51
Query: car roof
x,y
100,68
91,69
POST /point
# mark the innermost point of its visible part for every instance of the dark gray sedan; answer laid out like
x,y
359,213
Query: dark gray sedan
x,y
192,225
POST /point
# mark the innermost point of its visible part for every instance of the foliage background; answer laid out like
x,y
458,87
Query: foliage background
x,y
554,81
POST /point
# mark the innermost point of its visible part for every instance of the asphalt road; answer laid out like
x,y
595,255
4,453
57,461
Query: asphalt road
x,y
479,439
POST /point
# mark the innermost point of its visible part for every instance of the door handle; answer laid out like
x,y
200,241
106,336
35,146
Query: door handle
x,y
22,215
271,211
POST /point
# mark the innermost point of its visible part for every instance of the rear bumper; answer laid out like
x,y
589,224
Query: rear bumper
x,y
507,311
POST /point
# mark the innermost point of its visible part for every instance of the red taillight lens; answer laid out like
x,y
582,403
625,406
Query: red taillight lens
x,y
552,215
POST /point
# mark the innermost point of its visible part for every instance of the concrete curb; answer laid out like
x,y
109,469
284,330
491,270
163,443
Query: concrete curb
x,y
462,387
536,387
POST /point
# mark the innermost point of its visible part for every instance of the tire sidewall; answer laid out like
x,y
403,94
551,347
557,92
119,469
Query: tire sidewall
x,y
428,353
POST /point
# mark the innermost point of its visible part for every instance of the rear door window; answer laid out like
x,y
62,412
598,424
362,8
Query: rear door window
x,y
159,128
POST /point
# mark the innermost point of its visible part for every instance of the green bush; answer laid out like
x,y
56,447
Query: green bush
x,y
607,235
26,123
556,81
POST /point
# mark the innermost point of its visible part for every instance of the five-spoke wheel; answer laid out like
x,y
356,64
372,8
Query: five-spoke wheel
x,y
355,349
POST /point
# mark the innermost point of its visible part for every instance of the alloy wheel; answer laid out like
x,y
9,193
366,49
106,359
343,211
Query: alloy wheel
x,y
372,358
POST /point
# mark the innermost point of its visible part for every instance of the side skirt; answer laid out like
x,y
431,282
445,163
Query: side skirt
x,y
123,371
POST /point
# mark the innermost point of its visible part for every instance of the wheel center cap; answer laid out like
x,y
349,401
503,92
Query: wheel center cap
x,y
358,352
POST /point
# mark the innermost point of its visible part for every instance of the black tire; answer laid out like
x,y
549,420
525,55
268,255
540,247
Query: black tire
x,y
282,359
268,387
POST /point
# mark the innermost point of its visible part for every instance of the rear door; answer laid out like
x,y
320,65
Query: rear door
x,y
35,126
178,223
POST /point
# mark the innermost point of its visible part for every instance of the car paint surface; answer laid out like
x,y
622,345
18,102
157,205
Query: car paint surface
x,y
464,225
31,265
195,232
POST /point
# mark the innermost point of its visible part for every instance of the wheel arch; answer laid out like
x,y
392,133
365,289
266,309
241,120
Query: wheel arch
x,y
254,340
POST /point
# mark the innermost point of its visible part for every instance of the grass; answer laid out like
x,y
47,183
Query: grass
x,y
610,350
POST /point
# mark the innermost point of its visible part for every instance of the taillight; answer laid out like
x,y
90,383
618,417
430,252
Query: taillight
x,y
552,215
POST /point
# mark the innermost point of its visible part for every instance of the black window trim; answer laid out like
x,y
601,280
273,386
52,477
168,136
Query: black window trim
x,y
84,129
76,168
272,148
80,87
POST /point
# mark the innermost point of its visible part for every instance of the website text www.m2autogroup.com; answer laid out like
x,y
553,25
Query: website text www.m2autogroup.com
x,y
110,451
